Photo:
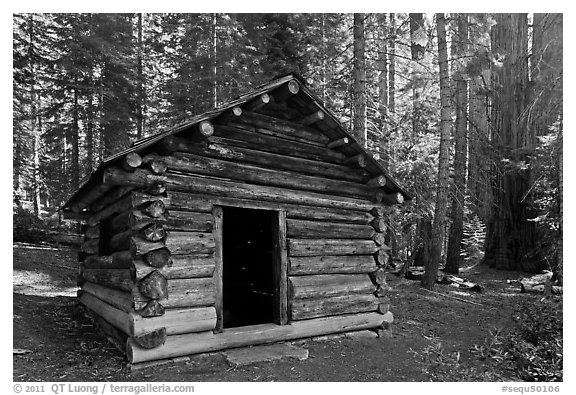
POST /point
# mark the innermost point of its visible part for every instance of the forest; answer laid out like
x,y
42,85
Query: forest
x,y
463,110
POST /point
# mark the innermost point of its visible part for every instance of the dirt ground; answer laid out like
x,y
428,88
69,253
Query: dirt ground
x,y
434,335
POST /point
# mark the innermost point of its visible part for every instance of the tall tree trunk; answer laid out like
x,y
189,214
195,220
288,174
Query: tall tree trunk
x,y
74,137
418,37
323,55
441,208
511,236
359,88
90,128
140,83
390,236
214,44
382,65
460,148
35,118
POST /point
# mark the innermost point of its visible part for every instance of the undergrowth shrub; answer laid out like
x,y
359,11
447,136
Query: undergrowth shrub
x,y
533,347
27,227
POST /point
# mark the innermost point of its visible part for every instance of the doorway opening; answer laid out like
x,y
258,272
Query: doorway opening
x,y
248,267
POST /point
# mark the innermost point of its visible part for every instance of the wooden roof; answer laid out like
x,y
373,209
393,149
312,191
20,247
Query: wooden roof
x,y
305,99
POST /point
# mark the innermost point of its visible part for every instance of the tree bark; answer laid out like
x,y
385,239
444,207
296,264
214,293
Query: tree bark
x,y
511,236
434,253
359,81
453,258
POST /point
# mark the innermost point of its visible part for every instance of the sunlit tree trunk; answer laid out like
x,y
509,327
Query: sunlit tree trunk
x,y
382,65
460,148
140,82
435,250
359,83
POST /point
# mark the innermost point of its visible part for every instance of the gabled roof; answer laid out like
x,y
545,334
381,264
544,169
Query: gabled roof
x,y
329,123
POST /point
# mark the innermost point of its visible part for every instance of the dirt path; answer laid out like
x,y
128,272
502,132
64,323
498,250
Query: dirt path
x,y
433,335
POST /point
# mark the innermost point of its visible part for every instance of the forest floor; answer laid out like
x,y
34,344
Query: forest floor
x,y
435,337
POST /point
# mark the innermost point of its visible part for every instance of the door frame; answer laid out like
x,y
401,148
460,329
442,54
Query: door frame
x,y
279,262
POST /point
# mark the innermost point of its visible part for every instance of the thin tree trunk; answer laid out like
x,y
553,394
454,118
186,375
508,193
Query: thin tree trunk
x,y
383,90
441,208
359,76
323,55
214,43
89,129
74,141
460,148
390,236
140,83
511,236
35,120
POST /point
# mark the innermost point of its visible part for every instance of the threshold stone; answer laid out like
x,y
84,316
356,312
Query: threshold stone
x,y
265,353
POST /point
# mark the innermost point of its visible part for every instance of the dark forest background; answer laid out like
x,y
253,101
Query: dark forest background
x,y
464,110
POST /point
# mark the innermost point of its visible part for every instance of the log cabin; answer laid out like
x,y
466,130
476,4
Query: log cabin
x,y
257,222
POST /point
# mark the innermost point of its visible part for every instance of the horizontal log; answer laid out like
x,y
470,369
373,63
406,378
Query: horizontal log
x,y
264,159
121,241
189,183
111,314
379,238
120,299
313,117
192,292
154,209
328,285
329,264
131,161
88,197
140,246
183,266
176,321
154,232
338,143
285,127
184,243
189,221
152,309
151,340
196,202
318,247
359,160
195,164
120,279
154,162
257,103
378,181
379,225
135,220
92,232
393,198
195,343
378,277
245,136
113,334
302,229
381,211
286,91
90,246
158,258
381,257
117,260
153,286
336,305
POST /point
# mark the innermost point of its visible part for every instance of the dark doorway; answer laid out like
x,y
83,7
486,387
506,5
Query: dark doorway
x,y
248,267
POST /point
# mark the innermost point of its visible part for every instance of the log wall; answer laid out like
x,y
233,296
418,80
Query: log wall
x,y
160,283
